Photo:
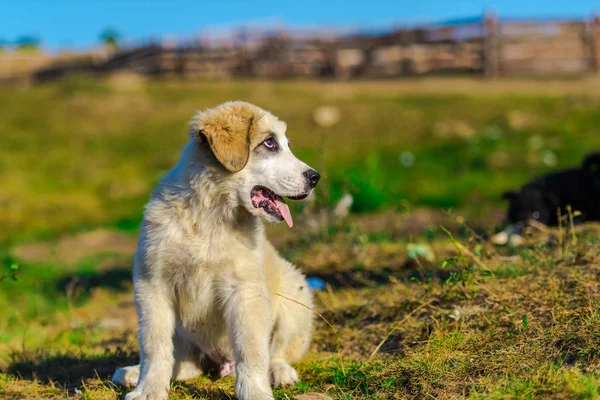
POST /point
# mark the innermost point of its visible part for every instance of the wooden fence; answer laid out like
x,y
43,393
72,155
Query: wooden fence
x,y
570,47
484,46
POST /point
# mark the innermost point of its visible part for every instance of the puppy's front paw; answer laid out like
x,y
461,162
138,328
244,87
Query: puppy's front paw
x,y
135,396
250,386
143,392
282,374
127,376
245,391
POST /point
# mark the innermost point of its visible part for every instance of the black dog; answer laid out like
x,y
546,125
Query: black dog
x,y
543,197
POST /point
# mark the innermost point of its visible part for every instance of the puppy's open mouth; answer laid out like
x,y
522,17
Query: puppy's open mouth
x,y
273,203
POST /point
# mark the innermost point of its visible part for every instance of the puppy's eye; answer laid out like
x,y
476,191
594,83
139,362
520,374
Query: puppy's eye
x,y
270,144
536,215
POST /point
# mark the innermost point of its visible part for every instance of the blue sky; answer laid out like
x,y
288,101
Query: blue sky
x,y
78,23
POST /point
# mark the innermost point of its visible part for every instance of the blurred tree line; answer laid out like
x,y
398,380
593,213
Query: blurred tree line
x,y
109,37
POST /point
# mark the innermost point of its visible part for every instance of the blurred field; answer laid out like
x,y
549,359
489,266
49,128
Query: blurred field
x,y
83,153
79,158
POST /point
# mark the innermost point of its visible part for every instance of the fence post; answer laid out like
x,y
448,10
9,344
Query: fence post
x,y
490,46
596,43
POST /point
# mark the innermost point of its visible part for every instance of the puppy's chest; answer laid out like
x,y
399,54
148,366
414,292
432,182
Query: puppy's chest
x,y
200,310
195,295
209,270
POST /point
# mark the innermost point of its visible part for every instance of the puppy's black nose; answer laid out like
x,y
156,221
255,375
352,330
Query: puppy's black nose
x,y
312,177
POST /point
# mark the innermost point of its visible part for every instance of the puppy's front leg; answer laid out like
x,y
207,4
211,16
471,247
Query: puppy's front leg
x,y
156,334
249,319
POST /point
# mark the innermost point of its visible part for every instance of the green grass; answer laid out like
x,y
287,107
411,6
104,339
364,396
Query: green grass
x,y
80,156
81,153
473,327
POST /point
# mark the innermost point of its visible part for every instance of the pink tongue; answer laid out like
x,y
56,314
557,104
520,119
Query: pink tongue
x,y
284,210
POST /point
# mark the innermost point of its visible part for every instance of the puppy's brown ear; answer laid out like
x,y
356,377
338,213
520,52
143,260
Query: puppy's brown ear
x,y
227,130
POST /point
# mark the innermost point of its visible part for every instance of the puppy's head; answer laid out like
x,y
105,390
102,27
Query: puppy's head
x,y
530,203
251,148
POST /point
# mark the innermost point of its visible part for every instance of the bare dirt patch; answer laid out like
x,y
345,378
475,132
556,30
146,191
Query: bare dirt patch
x,y
70,249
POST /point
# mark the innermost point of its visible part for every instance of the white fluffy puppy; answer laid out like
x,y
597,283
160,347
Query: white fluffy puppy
x,y
207,282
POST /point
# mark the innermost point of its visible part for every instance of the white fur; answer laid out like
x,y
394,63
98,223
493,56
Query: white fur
x,y
207,281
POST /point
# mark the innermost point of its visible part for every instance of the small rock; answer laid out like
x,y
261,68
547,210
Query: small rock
x,y
313,396
420,250
455,314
